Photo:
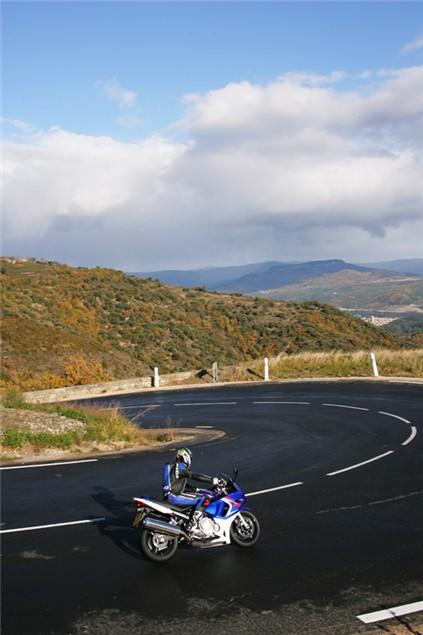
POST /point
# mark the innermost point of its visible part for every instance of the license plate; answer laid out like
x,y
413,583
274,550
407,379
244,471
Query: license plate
x,y
138,518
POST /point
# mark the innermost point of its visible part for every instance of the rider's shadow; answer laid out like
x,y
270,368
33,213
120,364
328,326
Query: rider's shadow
x,y
118,522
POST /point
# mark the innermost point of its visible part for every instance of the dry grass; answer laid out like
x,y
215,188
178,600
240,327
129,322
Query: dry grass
x,y
400,363
102,429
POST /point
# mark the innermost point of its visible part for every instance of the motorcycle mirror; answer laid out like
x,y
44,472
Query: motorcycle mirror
x,y
235,473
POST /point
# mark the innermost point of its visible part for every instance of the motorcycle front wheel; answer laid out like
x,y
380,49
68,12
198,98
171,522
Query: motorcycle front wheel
x,y
245,529
157,547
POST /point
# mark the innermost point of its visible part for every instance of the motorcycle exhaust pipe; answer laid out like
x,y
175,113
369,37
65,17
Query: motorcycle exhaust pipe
x,y
163,528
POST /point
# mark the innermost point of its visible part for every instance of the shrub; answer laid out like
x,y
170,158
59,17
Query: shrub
x,y
13,398
82,370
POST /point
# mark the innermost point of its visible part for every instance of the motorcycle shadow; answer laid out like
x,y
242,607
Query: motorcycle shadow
x,y
117,525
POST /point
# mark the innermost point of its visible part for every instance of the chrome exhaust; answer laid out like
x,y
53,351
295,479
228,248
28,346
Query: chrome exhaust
x,y
164,528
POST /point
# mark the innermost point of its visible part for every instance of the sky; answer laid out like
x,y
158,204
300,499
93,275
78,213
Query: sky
x,y
153,135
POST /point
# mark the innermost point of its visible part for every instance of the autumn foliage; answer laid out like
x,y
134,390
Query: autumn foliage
x,y
64,325
82,370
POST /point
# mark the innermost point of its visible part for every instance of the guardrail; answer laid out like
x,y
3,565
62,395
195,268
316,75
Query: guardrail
x,y
156,380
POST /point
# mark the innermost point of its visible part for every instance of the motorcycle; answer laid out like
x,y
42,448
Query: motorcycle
x,y
217,518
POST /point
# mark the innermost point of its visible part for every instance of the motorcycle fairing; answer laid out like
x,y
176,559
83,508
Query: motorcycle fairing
x,y
227,506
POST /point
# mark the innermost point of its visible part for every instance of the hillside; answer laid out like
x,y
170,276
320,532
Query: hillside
x,y
64,325
409,329
356,289
408,325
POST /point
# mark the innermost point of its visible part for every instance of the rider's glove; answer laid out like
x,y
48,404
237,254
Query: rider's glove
x,y
215,481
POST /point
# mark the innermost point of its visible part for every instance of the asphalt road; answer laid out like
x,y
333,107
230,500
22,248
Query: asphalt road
x,y
346,539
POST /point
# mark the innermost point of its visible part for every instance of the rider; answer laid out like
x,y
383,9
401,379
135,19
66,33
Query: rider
x,y
176,489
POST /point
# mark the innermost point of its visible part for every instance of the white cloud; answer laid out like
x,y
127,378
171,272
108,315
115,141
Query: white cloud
x,y
62,175
112,89
286,106
290,169
414,45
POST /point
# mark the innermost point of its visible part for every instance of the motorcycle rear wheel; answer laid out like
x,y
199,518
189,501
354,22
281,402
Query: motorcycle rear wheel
x,y
157,547
245,529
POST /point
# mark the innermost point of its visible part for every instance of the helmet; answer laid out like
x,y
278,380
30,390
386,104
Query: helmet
x,y
184,455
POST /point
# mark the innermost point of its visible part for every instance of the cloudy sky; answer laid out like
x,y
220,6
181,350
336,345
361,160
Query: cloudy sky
x,y
161,135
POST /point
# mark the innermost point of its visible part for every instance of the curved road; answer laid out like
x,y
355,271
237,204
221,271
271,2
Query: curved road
x,y
341,523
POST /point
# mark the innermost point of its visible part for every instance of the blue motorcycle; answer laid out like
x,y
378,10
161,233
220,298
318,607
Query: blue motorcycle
x,y
218,517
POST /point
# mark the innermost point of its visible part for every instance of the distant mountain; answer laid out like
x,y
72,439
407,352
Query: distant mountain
x,y
280,275
252,277
211,277
335,281
352,288
409,265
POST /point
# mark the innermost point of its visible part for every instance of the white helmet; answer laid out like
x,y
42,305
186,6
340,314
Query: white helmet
x,y
184,455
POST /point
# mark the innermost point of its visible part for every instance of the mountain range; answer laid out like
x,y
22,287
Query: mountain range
x,y
374,286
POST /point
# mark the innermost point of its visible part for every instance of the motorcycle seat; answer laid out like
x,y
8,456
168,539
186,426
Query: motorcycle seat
x,y
178,508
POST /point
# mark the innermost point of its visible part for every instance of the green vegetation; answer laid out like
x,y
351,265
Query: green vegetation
x,y
14,438
408,325
66,326
408,329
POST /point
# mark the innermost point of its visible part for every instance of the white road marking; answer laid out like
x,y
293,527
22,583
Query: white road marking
x,y
301,403
371,504
208,403
33,527
273,489
206,427
352,467
23,467
142,405
389,414
386,614
338,405
408,383
411,437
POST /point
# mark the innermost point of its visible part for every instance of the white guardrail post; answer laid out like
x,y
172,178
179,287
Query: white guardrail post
x,y
266,369
215,372
156,378
374,365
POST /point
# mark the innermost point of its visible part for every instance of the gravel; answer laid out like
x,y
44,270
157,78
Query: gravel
x,y
38,422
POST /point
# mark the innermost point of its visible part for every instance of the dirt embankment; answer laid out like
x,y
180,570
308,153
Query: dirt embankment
x,y
37,422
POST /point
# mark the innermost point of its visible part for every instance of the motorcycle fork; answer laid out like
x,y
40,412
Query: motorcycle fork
x,y
243,522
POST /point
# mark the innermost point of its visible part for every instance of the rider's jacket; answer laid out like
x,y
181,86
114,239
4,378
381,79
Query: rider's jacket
x,y
176,476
